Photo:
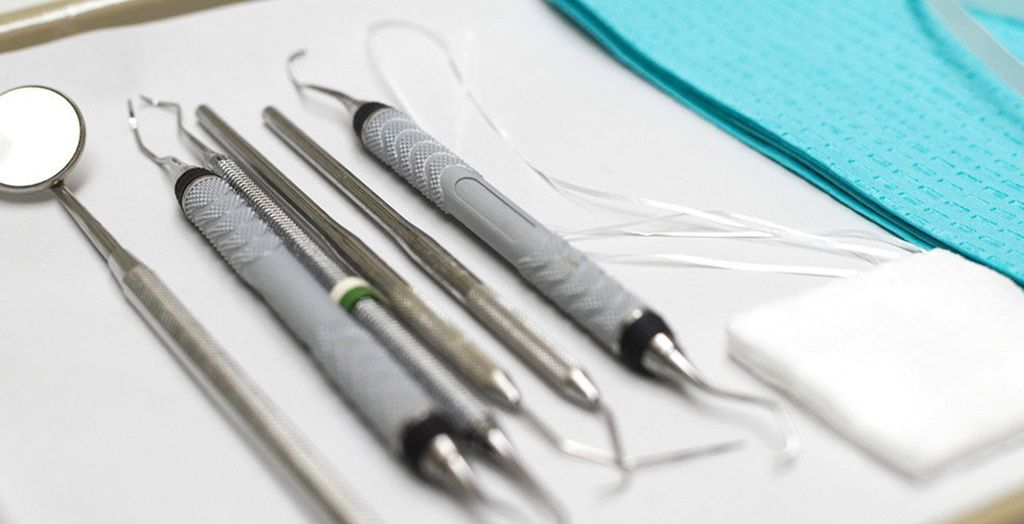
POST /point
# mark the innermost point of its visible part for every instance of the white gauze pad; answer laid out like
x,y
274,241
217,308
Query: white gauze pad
x,y
919,361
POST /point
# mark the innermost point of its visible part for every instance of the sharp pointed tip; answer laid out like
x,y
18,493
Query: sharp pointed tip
x,y
445,464
133,122
789,453
792,443
501,450
581,389
504,391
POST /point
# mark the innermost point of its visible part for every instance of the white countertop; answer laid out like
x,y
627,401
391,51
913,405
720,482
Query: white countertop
x,y
98,423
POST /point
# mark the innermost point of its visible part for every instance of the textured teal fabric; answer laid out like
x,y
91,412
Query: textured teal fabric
x,y
872,101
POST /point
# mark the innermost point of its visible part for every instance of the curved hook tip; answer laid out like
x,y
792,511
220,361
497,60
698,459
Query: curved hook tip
x,y
290,68
793,444
351,104
132,120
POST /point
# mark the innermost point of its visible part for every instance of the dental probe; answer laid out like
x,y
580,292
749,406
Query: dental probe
x,y
557,368
599,304
393,405
469,414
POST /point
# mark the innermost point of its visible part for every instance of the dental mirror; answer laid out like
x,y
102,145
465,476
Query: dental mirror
x,y
42,134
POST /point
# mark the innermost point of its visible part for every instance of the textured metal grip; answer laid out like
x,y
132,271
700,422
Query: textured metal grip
x,y
309,252
447,340
466,411
493,311
360,369
213,367
394,138
563,274
568,278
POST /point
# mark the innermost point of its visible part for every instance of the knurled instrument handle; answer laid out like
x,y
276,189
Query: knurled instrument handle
x,y
588,295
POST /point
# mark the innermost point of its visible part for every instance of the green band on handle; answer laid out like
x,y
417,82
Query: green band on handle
x,y
349,299
348,291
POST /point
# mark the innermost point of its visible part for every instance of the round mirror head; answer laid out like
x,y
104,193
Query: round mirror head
x,y
42,133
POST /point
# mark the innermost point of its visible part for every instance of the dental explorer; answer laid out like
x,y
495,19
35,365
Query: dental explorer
x,y
395,407
471,417
564,373
218,375
596,302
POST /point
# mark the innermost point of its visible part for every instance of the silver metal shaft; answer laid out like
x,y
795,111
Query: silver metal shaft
x,y
218,374
482,301
97,234
463,355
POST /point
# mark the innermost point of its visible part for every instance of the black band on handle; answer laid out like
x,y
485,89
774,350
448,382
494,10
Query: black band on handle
x,y
186,179
417,438
363,114
637,336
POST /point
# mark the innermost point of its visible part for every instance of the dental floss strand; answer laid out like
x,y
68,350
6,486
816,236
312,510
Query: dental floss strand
x,y
654,210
